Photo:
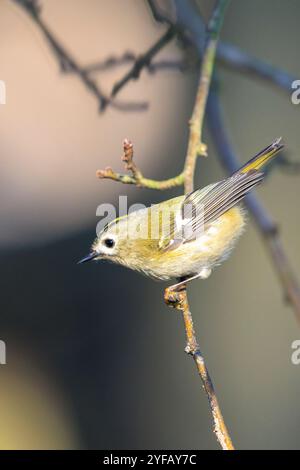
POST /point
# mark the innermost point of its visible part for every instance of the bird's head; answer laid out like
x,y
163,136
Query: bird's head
x,y
107,244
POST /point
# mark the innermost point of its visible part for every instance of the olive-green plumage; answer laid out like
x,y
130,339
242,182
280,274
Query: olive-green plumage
x,y
187,236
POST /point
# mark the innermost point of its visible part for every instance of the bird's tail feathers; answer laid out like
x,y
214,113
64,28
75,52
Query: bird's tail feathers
x,y
263,157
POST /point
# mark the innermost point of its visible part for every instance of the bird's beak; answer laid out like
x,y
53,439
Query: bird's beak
x,y
89,257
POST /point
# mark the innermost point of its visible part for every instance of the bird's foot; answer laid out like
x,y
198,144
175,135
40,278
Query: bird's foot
x,y
174,295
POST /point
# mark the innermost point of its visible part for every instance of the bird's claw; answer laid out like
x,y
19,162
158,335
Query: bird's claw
x,y
174,296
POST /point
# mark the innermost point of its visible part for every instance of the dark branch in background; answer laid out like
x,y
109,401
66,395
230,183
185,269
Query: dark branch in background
x,y
266,225
144,60
228,55
158,14
69,64
129,57
240,61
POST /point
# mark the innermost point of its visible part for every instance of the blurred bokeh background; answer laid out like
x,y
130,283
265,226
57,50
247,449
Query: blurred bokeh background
x,y
94,358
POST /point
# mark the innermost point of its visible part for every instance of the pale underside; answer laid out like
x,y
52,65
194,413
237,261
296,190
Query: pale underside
x,y
200,256
149,256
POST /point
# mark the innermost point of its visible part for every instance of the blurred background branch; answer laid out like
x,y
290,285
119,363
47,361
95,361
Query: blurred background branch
x,y
144,60
188,28
69,64
265,223
190,24
136,176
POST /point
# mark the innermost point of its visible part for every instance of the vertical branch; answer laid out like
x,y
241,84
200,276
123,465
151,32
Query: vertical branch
x,y
196,146
179,299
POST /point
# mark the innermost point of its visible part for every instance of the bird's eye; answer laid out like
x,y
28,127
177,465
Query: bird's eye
x,y
109,242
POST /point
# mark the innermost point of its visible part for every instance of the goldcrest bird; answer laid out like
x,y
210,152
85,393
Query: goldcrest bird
x,y
184,238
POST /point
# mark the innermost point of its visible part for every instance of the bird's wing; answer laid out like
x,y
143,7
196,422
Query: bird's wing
x,y
202,207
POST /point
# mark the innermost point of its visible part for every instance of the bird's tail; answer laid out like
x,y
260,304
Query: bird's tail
x,y
262,158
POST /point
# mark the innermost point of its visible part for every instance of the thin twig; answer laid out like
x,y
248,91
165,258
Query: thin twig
x,y
266,225
228,55
157,13
196,146
69,64
144,60
136,176
179,300
112,62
